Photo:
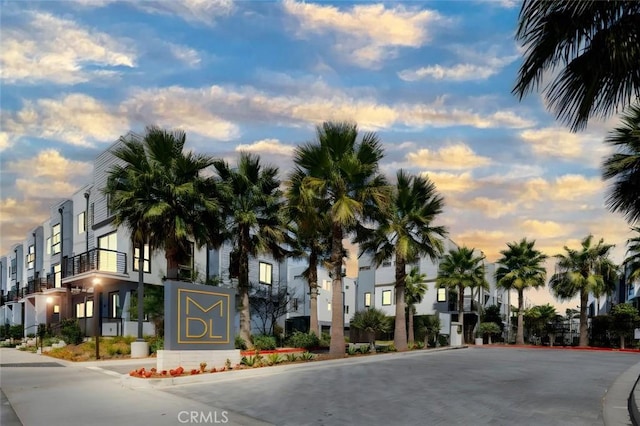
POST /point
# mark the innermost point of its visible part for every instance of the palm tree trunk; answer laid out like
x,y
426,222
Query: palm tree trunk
x,y
171,254
461,309
411,334
622,342
400,334
314,327
584,337
336,348
520,332
243,288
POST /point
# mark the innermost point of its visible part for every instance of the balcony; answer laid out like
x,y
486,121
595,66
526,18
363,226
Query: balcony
x,y
96,260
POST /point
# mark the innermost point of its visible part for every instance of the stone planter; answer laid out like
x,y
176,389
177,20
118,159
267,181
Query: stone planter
x,y
479,341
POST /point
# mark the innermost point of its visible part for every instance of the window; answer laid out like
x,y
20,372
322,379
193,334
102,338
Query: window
x,y
108,199
185,266
345,309
31,256
367,300
92,209
386,263
266,270
364,268
386,297
57,276
107,255
49,245
80,310
146,265
56,309
89,308
14,268
114,305
294,303
442,295
329,306
82,223
326,285
55,239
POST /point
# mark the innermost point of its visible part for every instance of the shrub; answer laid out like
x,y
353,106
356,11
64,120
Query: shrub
x,y
307,356
240,343
155,343
325,340
263,342
364,349
352,350
303,340
70,331
273,359
118,348
16,332
292,357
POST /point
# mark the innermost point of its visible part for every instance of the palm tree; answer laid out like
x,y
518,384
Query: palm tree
x,y
310,229
521,267
584,271
371,321
460,269
414,290
405,230
342,174
594,46
254,213
624,166
632,262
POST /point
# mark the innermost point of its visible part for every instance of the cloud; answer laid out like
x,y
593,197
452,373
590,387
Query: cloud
x,y
19,217
51,49
366,34
267,146
492,208
422,115
50,164
479,64
555,142
198,11
185,54
453,157
75,119
451,182
489,242
570,187
544,229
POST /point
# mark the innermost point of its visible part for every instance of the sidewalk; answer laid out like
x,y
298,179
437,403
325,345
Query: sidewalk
x,y
46,391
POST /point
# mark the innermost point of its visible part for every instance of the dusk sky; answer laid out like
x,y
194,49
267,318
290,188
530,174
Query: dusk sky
x,y
432,79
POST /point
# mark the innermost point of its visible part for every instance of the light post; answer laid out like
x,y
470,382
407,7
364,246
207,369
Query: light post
x,y
96,314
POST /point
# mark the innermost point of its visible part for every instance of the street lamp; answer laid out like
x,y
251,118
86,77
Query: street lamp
x,y
96,314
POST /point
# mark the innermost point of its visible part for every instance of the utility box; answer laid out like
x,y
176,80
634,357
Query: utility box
x,y
455,336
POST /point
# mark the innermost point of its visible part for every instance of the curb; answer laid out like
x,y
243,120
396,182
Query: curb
x,y
621,398
138,383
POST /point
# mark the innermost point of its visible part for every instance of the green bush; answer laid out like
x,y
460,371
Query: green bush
x,y
240,343
16,332
5,331
119,348
155,343
325,340
303,340
70,331
263,342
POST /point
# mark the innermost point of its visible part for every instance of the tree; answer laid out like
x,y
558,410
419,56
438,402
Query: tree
x,y
584,271
541,321
593,45
430,326
309,226
254,214
632,261
625,320
371,321
460,269
405,230
159,193
414,291
268,304
521,267
342,175
488,329
623,166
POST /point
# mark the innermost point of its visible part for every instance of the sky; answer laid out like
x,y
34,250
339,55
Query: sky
x,y
432,79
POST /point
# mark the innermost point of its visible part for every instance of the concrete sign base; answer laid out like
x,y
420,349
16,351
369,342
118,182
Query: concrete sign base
x,y
190,359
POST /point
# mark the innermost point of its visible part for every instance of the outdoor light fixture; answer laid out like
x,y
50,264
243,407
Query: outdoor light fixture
x,y
96,314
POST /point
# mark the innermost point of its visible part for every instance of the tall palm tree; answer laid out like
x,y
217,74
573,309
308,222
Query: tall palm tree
x,y
623,167
583,271
159,193
632,261
459,269
595,48
406,231
342,173
521,267
310,228
255,222
414,290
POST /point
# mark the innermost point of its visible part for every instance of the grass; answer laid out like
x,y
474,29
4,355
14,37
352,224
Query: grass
x,y
110,348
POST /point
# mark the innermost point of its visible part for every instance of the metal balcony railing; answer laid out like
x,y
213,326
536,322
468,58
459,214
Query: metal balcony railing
x,y
96,260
